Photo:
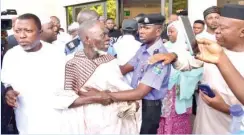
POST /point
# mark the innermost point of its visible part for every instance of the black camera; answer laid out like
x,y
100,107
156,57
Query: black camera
x,y
6,23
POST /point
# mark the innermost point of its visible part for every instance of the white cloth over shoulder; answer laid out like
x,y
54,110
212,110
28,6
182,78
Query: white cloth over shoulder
x,y
99,119
206,35
126,47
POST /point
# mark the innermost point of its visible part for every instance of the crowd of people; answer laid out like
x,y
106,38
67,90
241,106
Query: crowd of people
x,y
140,79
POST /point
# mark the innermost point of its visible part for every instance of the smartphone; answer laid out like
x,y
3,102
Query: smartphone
x,y
206,90
189,34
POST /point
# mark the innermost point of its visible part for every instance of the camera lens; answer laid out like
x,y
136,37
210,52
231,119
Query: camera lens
x,y
6,24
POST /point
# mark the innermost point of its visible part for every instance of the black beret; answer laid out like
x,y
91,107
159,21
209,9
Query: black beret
x,y
233,11
156,19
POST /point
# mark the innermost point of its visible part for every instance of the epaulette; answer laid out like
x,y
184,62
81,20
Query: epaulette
x,y
73,44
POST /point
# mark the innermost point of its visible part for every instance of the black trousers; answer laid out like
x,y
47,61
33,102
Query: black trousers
x,y
8,124
151,112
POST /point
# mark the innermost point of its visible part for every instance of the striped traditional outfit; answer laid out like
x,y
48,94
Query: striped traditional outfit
x,y
102,73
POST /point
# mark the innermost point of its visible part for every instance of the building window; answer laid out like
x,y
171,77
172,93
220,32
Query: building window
x,y
179,5
221,3
111,9
69,11
104,8
134,7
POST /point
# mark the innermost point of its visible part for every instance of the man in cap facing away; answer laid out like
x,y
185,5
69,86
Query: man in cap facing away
x,y
127,46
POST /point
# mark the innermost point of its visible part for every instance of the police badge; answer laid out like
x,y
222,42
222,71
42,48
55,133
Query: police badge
x,y
146,20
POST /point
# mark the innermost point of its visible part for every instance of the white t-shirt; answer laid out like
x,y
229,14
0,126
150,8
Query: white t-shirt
x,y
206,35
209,120
126,47
62,39
36,76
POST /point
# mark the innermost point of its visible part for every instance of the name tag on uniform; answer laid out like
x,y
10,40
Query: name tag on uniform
x,y
71,45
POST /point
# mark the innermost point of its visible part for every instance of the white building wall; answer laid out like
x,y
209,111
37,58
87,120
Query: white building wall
x,y
42,7
74,2
57,7
196,8
37,7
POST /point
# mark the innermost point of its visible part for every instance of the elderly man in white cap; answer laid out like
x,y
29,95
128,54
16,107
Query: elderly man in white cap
x,y
73,29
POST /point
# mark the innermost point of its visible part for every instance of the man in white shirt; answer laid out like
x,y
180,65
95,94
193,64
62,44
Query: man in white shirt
x,y
211,18
31,72
62,37
127,46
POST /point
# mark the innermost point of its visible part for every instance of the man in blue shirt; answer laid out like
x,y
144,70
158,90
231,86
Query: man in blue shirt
x,y
150,82
74,45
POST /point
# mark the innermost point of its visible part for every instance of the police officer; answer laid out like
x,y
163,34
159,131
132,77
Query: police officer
x,y
76,44
150,82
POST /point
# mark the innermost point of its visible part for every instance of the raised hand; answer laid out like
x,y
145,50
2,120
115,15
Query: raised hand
x,y
210,51
11,98
166,58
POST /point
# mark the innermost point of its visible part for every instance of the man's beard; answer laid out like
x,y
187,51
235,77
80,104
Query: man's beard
x,y
99,52
31,46
214,26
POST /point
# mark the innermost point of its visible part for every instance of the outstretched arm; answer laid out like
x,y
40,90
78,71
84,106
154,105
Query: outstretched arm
x,y
232,77
211,52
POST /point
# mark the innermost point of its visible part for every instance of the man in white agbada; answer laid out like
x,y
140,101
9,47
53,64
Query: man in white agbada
x,y
93,67
73,29
127,46
31,73
213,113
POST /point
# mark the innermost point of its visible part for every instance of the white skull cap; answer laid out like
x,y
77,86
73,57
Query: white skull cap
x,y
45,19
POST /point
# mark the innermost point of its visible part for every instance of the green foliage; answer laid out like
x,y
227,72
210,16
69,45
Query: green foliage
x,y
111,9
98,9
179,4
70,16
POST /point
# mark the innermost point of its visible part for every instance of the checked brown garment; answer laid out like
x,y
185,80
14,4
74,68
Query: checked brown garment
x,y
79,69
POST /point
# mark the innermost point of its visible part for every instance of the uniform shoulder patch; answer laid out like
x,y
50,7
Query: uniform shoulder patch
x,y
157,69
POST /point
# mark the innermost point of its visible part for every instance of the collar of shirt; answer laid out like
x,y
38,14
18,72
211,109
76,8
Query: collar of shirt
x,y
77,37
152,49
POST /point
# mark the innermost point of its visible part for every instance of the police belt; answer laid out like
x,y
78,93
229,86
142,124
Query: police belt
x,y
146,102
